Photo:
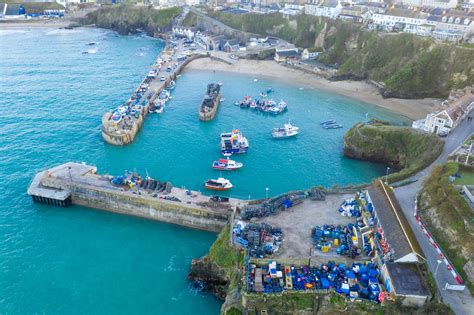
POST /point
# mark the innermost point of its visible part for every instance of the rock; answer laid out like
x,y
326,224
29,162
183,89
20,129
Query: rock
x,y
213,277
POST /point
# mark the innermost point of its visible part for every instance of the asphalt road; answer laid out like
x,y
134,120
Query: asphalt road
x,y
460,301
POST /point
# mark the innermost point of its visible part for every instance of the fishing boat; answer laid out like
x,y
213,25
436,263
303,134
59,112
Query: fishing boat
x,y
210,102
287,131
245,103
171,85
218,184
280,108
226,165
233,142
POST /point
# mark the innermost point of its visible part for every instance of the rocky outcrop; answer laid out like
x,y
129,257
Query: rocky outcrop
x,y
401,148
350,76
212,277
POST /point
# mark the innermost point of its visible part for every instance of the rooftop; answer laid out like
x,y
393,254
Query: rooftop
x,y
407,279
398,232
402,12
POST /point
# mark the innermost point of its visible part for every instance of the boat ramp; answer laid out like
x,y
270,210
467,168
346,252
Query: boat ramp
x,y
79,183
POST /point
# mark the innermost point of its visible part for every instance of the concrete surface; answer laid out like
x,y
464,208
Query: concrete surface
x,y
296,224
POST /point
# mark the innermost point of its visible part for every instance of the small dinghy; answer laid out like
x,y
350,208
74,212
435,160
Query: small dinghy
x,y
331,121
218,184
287,131
226,165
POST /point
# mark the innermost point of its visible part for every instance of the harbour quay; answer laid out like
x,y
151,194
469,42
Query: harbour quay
x,y
79,184
121,125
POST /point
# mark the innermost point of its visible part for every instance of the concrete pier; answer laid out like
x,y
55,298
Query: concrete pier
x,y
77,183
125,132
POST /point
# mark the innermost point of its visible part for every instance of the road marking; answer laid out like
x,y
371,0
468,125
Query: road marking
x,y
442,256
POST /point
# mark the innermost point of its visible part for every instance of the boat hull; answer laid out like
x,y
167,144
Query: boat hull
x,y
226,168
217,188
278,137
234,151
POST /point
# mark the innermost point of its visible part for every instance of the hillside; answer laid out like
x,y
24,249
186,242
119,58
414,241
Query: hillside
x,y
410,66
127,19
449,219
403,149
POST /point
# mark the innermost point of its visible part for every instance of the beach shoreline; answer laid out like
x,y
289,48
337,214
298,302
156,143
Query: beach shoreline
x,y
22,24
360,90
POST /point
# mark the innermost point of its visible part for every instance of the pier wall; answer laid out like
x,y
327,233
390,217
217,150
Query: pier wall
x,y
159,210
126,137
95,191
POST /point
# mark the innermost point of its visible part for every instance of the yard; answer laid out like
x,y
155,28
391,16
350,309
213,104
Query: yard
x,y
467,178
296,224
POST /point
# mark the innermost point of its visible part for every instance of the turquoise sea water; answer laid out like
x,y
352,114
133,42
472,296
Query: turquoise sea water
x,y
78,260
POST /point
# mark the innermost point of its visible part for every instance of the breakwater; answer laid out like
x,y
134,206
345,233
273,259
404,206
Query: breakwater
x,y
121,126
77,183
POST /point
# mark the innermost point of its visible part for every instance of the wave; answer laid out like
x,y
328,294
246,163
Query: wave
x,y
12,32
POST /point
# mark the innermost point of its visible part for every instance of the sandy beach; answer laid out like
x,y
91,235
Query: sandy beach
x,y
22,24
360,90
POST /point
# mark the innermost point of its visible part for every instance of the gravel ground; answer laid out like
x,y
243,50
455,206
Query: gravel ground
x,y
296,224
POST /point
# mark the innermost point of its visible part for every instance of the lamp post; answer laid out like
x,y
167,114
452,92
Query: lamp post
x,y
436,270
266,193
386,176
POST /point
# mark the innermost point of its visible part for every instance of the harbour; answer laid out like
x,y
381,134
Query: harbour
x,y
49,131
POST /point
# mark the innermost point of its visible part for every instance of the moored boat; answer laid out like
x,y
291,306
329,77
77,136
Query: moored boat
x,y
332,126
226,165
287,131
281,107
218,184
331,121
210,102
233,142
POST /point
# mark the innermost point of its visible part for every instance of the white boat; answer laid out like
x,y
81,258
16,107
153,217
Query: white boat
x,y
281,107
287,131
218,184
226,165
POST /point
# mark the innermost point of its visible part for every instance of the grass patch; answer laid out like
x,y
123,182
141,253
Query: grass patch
x,y
128,18
222,254
227,257
404,149
467,177
233,311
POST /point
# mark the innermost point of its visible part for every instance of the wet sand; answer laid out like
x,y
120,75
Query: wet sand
x,y
25,24
360,90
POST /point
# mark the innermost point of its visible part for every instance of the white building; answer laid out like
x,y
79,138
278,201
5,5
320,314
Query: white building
x,y
442,122
326,8
444,4
450,24
284,55
183,32
309,55
406,20
292,9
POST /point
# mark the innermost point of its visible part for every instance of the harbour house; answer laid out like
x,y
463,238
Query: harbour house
x,y
458,106
284,55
